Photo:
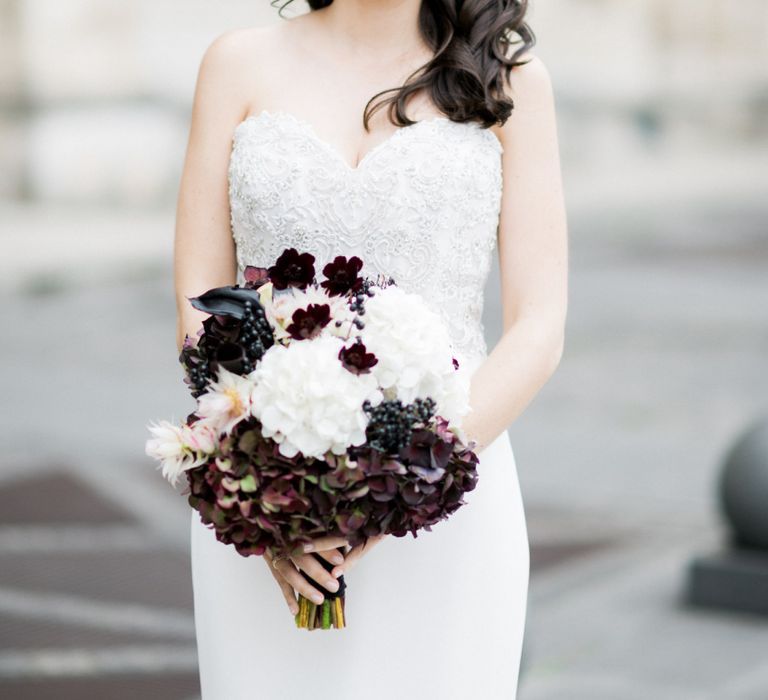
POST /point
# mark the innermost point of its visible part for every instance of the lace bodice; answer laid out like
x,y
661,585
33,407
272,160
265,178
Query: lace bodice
x,y
422,206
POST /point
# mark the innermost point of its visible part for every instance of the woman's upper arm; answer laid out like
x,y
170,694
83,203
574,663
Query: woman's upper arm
x,y
533,247
204,251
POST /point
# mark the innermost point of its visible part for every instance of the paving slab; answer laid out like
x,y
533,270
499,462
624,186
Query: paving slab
x,y
178,687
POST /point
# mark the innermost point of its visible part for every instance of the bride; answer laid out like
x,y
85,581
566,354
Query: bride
x,y
421,136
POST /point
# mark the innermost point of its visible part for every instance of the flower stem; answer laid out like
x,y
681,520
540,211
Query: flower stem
x,y
339,613
329,614
326,614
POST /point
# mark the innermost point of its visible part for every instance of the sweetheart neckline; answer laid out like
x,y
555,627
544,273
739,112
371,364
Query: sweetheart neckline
x,y
310,131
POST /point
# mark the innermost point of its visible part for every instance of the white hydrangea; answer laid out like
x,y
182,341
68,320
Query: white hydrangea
x,y
307,401
413,346
280,305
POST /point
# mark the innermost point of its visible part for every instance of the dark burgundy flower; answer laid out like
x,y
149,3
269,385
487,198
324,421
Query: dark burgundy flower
x,y
356,359
307,323
342,275
255,276
292,269
427,455
349,522
455,363
382,488
372,462
282,494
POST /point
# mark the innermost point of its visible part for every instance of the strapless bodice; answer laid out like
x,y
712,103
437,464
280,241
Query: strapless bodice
x,y
422,207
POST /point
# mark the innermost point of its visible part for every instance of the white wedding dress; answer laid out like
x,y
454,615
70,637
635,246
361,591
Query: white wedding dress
x,y
440,615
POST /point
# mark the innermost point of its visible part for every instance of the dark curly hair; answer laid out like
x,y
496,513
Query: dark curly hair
x,y
465,77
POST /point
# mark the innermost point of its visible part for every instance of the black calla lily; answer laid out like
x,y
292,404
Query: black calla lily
x,y
226,301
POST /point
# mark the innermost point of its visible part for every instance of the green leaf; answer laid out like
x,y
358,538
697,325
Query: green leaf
x,y
248,484
248,442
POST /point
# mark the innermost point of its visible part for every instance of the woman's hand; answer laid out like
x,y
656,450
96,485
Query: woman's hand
x,y
288,575
354,555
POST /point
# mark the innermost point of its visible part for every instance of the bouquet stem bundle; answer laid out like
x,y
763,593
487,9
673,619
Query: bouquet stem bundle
x,y
326,615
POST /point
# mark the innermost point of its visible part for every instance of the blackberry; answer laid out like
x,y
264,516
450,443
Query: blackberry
x,y
255,332
391,423
357,301
195,362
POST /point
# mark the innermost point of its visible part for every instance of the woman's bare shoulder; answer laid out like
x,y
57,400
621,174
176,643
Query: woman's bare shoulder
x,y
242,45
262,43
235,66
530,82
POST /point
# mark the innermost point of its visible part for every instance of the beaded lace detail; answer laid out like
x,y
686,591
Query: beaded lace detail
x,y
421,206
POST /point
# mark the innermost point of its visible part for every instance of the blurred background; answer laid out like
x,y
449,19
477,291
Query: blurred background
x,y
663,118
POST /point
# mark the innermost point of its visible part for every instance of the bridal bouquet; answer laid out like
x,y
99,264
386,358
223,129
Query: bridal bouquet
x,y
323,408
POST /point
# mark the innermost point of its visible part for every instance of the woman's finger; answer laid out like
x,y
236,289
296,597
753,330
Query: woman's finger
x,y
325,543
354,555
349,561
292,575
316,571
333,556
285,587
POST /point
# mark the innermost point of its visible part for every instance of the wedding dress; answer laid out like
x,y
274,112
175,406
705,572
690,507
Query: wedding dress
x,y
440,615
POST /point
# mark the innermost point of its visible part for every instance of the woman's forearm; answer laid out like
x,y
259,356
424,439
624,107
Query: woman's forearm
x,y
188,322
513,373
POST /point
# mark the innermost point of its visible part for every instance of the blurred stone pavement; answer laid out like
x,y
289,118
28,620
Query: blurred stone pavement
x,y
618,456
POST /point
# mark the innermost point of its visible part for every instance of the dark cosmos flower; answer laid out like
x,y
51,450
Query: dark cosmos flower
x,y
356,358
342,275
307,323
292,269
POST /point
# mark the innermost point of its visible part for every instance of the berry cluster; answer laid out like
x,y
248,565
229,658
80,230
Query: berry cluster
x,y
198,369
357,302
391,423
255,334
